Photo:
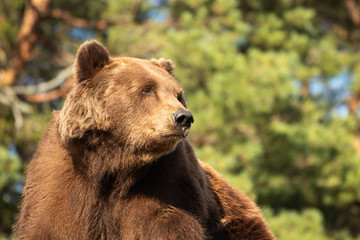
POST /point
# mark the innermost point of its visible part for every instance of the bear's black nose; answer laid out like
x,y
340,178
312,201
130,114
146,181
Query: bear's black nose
x,y
183,118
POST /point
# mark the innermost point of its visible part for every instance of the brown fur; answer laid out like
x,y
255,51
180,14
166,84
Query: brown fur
x,y
113,164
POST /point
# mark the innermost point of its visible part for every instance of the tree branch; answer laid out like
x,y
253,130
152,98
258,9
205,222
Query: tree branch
x,y
52,95
25,40
8,97
354,10
77,22
353,103
45,86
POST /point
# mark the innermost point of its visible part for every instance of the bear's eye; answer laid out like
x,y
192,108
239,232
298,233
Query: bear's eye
x,y
146,91
180,98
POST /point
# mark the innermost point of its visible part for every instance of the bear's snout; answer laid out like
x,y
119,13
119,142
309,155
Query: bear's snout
x,y
183,119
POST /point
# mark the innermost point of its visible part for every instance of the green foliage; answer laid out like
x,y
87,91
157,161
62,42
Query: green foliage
x,y
307,225
9,167
9,26
291,225
9,175
90,10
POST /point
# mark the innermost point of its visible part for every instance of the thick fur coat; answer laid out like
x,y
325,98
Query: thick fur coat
x,y
114,163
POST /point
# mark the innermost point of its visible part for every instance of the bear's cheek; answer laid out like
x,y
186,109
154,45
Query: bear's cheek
x,y
160,132
159,124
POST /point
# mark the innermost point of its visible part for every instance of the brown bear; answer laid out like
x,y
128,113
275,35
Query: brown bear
x,y
114,163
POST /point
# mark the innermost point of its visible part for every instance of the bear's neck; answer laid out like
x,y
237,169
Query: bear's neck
x,y
113,171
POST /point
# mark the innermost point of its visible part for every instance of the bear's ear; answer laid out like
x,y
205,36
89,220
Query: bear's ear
x,y
91,58
163,63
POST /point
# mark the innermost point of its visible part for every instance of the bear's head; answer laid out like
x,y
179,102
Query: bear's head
x,y
130,103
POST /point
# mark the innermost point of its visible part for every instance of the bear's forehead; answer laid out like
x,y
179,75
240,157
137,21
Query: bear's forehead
x,y
142,70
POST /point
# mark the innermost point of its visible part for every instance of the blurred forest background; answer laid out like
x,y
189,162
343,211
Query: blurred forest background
x,y
274,87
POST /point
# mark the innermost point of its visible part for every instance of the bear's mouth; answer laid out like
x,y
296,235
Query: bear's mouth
x,y
175,135
181,133
185,132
